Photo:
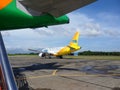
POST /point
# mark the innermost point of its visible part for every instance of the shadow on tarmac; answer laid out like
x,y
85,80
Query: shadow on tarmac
x,y
39,66
21,78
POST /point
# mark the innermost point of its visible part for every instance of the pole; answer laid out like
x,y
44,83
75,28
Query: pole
x,y
6,67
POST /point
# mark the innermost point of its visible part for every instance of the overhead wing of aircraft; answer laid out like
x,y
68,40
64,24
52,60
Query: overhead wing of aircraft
x,y
60,51
15,14
56,8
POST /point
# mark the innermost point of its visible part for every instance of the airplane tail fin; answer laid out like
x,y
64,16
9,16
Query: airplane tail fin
x,y
74,41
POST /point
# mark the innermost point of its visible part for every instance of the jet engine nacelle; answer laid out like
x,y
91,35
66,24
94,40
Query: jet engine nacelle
x,y
41,54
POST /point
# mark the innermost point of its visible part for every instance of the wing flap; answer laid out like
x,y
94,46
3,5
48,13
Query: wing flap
x,y
55,7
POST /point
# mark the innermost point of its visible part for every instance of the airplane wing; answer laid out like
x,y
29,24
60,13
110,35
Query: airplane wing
x,y
54,7
37,51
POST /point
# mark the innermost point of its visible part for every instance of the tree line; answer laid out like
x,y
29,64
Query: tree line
x,y
99,53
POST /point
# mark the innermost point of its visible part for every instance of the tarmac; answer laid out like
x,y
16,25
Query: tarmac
x,y
34,73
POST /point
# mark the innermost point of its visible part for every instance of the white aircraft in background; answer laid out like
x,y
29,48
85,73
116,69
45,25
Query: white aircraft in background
x,y
60,51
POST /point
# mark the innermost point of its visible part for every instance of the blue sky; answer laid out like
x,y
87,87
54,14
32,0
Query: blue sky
x,y
98,24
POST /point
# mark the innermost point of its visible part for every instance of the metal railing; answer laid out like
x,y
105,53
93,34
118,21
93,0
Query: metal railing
x,y
7,72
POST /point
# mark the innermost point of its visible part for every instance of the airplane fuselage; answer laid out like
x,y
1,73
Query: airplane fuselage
x,y
60,51
66,50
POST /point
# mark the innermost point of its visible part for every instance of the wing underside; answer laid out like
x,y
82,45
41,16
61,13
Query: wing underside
x,y
54,7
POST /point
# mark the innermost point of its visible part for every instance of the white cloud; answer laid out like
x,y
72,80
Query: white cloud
x,y
112,32
93,27
108,16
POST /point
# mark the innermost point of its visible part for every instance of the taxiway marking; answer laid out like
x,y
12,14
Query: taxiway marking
x,y
72,75
54,72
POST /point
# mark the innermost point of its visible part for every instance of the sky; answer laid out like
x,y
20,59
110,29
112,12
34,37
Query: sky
x,y
98,24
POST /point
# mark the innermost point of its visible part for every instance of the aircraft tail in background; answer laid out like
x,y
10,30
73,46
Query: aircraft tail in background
x,y
74,41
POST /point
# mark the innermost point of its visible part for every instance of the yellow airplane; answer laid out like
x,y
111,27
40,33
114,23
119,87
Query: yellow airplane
x,y
60,51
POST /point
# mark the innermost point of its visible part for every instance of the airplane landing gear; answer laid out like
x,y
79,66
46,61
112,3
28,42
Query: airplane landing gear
x,y
61,57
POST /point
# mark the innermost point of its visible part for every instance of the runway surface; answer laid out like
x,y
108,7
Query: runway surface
x,y
65,74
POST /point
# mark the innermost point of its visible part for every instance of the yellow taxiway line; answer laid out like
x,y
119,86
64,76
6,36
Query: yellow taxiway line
x,y
72,75
54,72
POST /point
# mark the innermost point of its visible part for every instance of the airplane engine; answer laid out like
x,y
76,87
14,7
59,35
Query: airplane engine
x,y
41,54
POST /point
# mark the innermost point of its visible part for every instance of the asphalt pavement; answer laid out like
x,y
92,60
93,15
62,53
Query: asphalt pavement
x,y
65,74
